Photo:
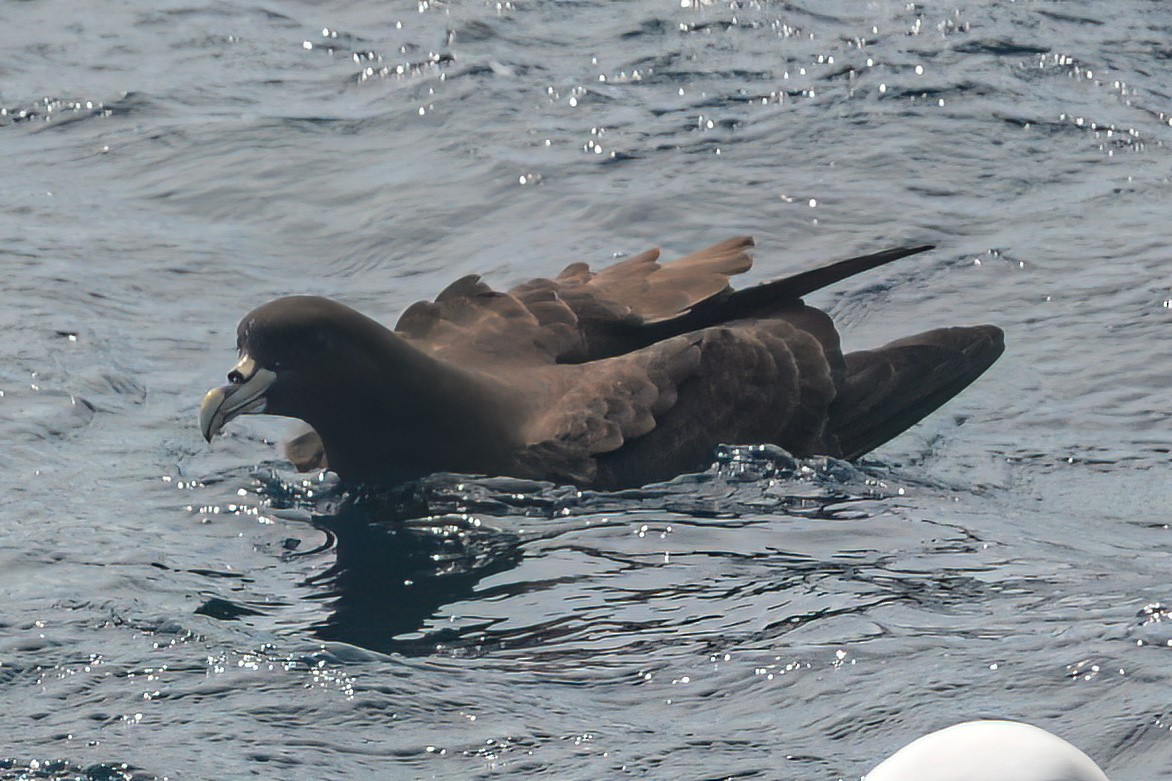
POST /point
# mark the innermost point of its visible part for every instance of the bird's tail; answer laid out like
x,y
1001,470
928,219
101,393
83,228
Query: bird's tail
x,y
889,389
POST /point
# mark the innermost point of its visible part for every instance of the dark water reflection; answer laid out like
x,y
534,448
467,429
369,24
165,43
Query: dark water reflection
x,y
403,553
393,574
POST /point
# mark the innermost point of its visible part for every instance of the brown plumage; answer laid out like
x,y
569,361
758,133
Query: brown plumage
x,y
609,379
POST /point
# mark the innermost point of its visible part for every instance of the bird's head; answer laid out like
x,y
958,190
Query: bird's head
x,y
297,355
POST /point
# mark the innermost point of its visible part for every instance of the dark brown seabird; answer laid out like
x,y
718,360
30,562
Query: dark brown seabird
x,y
606,379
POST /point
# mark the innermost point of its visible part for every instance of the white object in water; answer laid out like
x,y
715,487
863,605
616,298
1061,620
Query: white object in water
x,y
988,751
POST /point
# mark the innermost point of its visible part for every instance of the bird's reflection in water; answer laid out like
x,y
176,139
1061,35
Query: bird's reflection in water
x,y
402,555
397,563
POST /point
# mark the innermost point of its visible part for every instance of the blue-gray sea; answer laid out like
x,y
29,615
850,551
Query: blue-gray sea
x,y
174,610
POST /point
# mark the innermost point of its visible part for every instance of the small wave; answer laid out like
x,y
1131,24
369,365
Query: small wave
x,y
741,479
64,770
56,111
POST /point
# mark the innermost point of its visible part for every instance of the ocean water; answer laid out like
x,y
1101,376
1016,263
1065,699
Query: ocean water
x,y
174,610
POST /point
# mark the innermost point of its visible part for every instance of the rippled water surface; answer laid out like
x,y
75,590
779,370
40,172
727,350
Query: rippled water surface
x,y
174,610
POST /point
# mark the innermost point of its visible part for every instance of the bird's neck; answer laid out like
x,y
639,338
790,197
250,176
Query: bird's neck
x,y
414,414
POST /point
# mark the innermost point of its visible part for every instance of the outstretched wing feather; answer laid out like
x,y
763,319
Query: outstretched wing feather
x,y
546,321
